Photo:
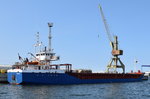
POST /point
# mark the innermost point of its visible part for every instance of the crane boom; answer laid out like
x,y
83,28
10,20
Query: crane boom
x,y
105,24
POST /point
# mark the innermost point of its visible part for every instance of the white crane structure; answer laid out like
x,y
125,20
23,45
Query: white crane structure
x,y
115,61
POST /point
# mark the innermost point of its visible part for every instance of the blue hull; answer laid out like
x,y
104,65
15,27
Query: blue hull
x,y
59,79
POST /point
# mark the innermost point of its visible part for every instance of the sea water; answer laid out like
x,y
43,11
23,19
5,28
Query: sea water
x,y
134,90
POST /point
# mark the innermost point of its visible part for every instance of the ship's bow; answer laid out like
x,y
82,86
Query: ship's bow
x,y
14,76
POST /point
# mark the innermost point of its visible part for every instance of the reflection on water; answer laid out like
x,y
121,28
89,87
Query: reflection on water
x,y
136,90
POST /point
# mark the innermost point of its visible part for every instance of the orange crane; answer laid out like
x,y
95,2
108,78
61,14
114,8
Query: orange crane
x,y
115,61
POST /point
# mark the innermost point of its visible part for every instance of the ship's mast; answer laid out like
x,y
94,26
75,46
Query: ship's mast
x,y
37,42
50,37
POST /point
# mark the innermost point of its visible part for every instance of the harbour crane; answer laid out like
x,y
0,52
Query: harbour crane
x,y
116,52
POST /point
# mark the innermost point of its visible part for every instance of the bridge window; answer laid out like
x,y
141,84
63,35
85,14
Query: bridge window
x,y
37,54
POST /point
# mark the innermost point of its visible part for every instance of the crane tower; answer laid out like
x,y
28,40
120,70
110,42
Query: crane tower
x,y
115,60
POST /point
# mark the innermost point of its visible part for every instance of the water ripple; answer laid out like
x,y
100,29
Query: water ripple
x,y
136,90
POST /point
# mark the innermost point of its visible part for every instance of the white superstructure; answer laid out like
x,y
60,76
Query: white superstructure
x,y
41,62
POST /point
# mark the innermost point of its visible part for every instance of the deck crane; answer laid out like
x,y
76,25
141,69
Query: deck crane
x,y
115,61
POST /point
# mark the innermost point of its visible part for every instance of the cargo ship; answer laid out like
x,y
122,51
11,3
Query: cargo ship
x,y
40,70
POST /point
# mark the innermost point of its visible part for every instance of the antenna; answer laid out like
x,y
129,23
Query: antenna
x,y
37,42
50,37
135,64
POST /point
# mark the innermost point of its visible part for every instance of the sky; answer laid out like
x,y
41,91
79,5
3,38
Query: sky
x,y
79,36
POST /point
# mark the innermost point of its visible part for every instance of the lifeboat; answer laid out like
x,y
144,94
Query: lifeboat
x,y
33,63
